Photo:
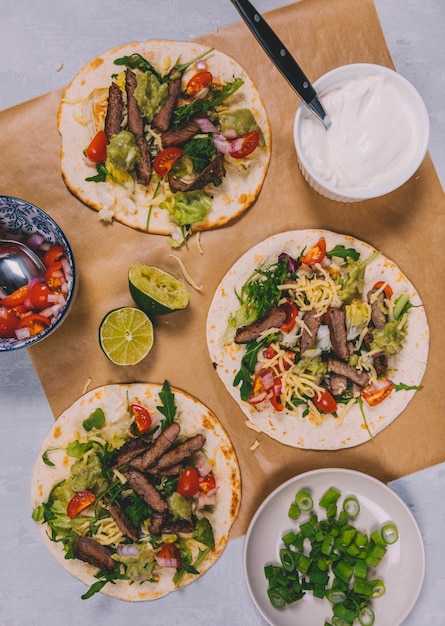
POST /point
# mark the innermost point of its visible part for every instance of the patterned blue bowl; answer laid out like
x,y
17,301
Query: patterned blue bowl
x,y
20,220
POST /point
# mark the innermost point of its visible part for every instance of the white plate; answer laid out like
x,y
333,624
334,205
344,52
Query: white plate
x,y
402,570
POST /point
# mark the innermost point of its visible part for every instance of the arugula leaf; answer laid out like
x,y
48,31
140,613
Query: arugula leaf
x,y
343,253
137,62
168,408
244,375
403,387
45,457
200,151
199,106
104,577
101,176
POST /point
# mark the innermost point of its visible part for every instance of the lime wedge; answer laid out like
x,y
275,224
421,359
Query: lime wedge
x,y
126,335
156,291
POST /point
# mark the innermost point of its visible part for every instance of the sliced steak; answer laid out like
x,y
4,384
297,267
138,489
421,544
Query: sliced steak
x,y
336,320
90,551
307,340
162,119
181,134
123,522
173,470
380,361
377,315
273,319
338,384
113,118
178,526
156,524
135,121
356,376
182,451
129,450
214,170
159,447
143,167
148,492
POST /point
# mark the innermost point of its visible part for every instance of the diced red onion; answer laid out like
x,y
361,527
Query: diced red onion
x,y
204,468
236,144
201,65
230,133
292,264
205,125
204,499
167,561
260,397
22,333
127,549
222,144
35,241
267,379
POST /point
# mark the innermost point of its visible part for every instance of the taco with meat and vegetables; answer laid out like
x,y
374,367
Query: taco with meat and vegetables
x,y
135,490
320,338
166,137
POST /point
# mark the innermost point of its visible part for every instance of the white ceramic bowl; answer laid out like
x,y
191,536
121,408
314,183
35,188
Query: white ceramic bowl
x,y
20,220
387,176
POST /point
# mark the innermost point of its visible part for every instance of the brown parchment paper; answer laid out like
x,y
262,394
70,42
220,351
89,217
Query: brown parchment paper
x,y
407,225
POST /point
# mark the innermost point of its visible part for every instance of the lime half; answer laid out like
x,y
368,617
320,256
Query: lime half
x,y
156,291
126,335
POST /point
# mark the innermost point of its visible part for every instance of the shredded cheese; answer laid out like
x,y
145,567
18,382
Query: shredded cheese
x,y
253,426
108,532
255,445
185,273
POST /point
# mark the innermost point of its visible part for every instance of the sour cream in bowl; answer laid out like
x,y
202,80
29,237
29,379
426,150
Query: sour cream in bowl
x,y
378,137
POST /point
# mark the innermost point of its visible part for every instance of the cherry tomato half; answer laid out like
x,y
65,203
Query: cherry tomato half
x,y
53,254
169,556
165,160
188,483
207,483
386,289
142,418
198,82
38,296
291,315
16,297
315,254
79,502
325,402
377,392
35,322
8,322
54,276
246,144
97,150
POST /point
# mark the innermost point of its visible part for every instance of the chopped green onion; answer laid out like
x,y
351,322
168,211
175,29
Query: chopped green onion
x,y
351,506
366,616
329,497
379,588
335,596
390,534
294,511
304,500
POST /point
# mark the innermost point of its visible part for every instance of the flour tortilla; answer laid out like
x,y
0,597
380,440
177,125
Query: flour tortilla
x,y
194,418
88,91
295,431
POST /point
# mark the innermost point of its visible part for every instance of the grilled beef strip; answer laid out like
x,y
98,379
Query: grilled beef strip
x,y
178,526
162,119
173,470
159,447
181,451
135,120
90,551
215,169
338,367
273,319
123,522
156,524
378,317
148,492
136,126
179,135
129,450
338,384
307,340
114,111
336,320
380,361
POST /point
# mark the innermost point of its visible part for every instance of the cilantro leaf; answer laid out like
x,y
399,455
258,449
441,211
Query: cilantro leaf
x,y
168,407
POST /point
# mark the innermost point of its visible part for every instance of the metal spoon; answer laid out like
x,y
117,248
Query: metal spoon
x,y
282,58
18,264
